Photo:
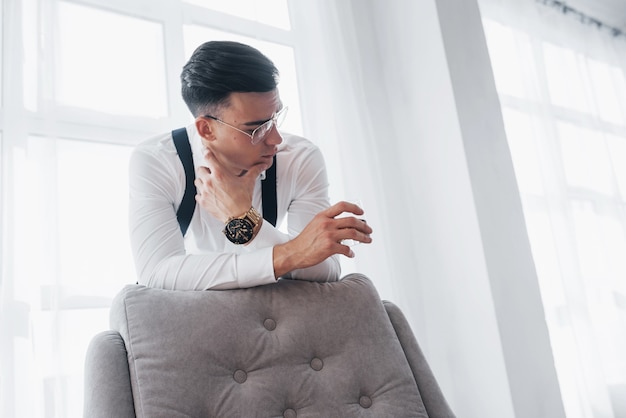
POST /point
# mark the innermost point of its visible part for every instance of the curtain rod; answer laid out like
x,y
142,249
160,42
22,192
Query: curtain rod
x,y
565,9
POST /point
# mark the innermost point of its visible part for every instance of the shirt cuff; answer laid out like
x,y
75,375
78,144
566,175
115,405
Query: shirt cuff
x,y
268,236
256,268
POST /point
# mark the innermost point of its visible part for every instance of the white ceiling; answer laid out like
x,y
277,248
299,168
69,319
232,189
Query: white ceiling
x,y
609,12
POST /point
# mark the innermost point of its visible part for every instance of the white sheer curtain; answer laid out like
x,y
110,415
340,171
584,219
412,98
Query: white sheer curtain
x,y
376,106
562,85
394,109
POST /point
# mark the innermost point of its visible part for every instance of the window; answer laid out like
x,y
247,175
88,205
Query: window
x,y
563,97
117,71
94,79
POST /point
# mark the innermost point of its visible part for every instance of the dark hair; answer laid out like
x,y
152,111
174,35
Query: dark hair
x,y
218,68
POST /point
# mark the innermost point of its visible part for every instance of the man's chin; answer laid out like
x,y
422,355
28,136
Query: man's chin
x,y
266,161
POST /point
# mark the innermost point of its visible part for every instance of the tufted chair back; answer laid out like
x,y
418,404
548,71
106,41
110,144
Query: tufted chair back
x,y
292,349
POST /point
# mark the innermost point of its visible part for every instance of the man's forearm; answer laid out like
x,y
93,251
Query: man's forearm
x,y
298,265
285,260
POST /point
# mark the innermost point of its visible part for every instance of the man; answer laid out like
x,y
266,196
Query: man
x,y
231,90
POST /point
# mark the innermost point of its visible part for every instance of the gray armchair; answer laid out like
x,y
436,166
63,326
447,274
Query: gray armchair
x,y
292,349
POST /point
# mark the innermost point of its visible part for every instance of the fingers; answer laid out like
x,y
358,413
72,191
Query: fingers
x,y
341,207
345,228
355,230
345,250
212,166
209,157
354,223
355,235
203,180
202,173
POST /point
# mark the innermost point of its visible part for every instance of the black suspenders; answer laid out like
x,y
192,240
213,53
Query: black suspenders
x,y
188,203
268,194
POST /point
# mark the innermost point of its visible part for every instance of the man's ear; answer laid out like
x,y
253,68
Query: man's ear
x,y
205,128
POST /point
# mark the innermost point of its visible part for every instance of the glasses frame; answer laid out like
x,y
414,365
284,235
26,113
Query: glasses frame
x,y
273,121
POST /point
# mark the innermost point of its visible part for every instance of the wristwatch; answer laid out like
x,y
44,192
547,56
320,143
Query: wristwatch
x,y
241,229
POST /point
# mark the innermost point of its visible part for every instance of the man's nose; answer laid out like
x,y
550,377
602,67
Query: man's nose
x,y
274,137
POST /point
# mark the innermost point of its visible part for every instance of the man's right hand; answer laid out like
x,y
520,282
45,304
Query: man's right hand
x,y
224,194
321,238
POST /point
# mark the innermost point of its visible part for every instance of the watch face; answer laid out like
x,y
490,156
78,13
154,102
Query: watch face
x,y
239,231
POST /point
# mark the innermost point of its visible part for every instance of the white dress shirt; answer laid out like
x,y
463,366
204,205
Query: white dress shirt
x,y
204,258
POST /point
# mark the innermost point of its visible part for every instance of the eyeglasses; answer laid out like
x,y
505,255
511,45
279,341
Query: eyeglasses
x,y
260,133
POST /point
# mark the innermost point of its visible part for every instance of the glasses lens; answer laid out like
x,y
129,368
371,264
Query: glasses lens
x,y
280,116
261,132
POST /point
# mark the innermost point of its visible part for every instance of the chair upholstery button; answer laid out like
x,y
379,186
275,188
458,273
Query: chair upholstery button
x,y
365,401
317,364
290,413
240,376
269,324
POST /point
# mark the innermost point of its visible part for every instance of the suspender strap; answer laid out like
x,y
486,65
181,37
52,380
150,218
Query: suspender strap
x,y
268,191
188,204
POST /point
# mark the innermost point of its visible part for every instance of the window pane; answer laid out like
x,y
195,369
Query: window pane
x,y
605,79
522,142
585,159
617,151
566,81
62,339
110,62
601,243
281,55
545,255
30,51
270,12
94,249
71,209
33,204
511,58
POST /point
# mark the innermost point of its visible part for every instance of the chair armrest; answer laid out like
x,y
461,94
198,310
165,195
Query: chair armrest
x,y
108,390
433,398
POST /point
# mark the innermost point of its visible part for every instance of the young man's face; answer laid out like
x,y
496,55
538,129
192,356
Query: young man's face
x,y
233,149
